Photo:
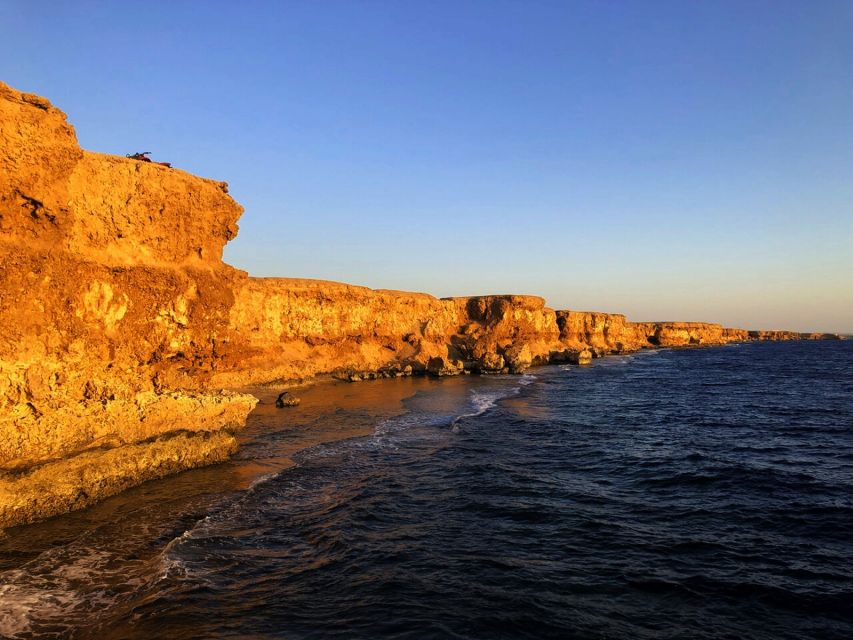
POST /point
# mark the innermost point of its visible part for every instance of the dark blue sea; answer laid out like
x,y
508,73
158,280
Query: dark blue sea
x,y
697,493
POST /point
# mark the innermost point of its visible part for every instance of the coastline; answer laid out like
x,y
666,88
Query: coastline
x,y
145,522
345,441
270,444
126,329
326,402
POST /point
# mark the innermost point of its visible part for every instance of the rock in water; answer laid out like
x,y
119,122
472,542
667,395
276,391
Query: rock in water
x,y
286,399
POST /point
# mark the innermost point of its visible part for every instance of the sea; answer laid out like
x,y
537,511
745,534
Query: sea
x,y
692,493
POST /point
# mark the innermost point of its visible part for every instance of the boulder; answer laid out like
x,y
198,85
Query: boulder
x,y
583,357
439,366
346,375
490,362
572,356
286,399
518,357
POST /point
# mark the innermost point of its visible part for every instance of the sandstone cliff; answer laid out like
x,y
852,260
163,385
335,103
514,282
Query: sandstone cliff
x,y
112,299
123,328
287,328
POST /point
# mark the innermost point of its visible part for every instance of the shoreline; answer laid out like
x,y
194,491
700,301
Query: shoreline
x,y
154,532
321,398
325,402
126,328
331,411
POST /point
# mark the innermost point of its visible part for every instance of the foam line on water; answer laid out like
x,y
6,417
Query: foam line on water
x,y
55,590
482,401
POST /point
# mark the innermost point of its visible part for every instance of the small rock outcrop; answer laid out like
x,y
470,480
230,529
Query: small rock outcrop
x,y
575,356
491,362
286,399
440,366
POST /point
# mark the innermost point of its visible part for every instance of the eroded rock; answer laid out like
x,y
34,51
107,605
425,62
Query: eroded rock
x,y
440,366
286,399
572,356
491,362
123,327
518,357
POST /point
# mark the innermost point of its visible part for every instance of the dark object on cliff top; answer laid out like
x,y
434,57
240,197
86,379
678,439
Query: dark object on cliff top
x,y
286,399
143,157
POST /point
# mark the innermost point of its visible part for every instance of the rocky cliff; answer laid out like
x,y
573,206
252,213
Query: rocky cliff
x,y
112,300
123,328
286,328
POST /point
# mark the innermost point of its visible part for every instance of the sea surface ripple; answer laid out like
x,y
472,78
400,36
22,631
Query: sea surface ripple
x,y
702,493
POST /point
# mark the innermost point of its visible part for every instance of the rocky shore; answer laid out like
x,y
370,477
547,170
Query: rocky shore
x,y
125,335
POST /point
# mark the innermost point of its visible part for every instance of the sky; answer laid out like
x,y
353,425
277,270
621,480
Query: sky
x,y
675,160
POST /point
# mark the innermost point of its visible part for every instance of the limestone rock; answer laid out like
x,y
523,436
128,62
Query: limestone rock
x,y
490,362
123,328
73,483
572,356
440,366
286,399
113,300
518,358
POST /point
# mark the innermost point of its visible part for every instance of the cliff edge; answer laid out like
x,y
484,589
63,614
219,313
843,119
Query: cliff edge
x,y
112,300
123,329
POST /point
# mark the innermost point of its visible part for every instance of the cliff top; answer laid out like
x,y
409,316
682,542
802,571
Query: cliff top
x,y
113,209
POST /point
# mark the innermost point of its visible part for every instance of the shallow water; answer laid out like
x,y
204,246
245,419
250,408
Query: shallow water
x,y
702,493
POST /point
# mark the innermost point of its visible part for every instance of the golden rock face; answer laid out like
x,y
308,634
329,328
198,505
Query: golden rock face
x,y
121,325
112,297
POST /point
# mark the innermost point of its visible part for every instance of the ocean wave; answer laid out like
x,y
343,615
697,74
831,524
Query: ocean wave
x,y
527,379
484,399
604,505
23,600
63,587
263,479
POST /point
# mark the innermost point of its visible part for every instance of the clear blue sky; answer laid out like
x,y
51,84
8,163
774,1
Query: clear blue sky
x,y
670,160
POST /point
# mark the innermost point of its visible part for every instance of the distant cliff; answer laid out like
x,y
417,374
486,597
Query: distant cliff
x,y
123,328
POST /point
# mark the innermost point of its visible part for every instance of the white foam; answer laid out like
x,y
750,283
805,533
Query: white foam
x,y
527,379
54,589
171,564
260,480
482,400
